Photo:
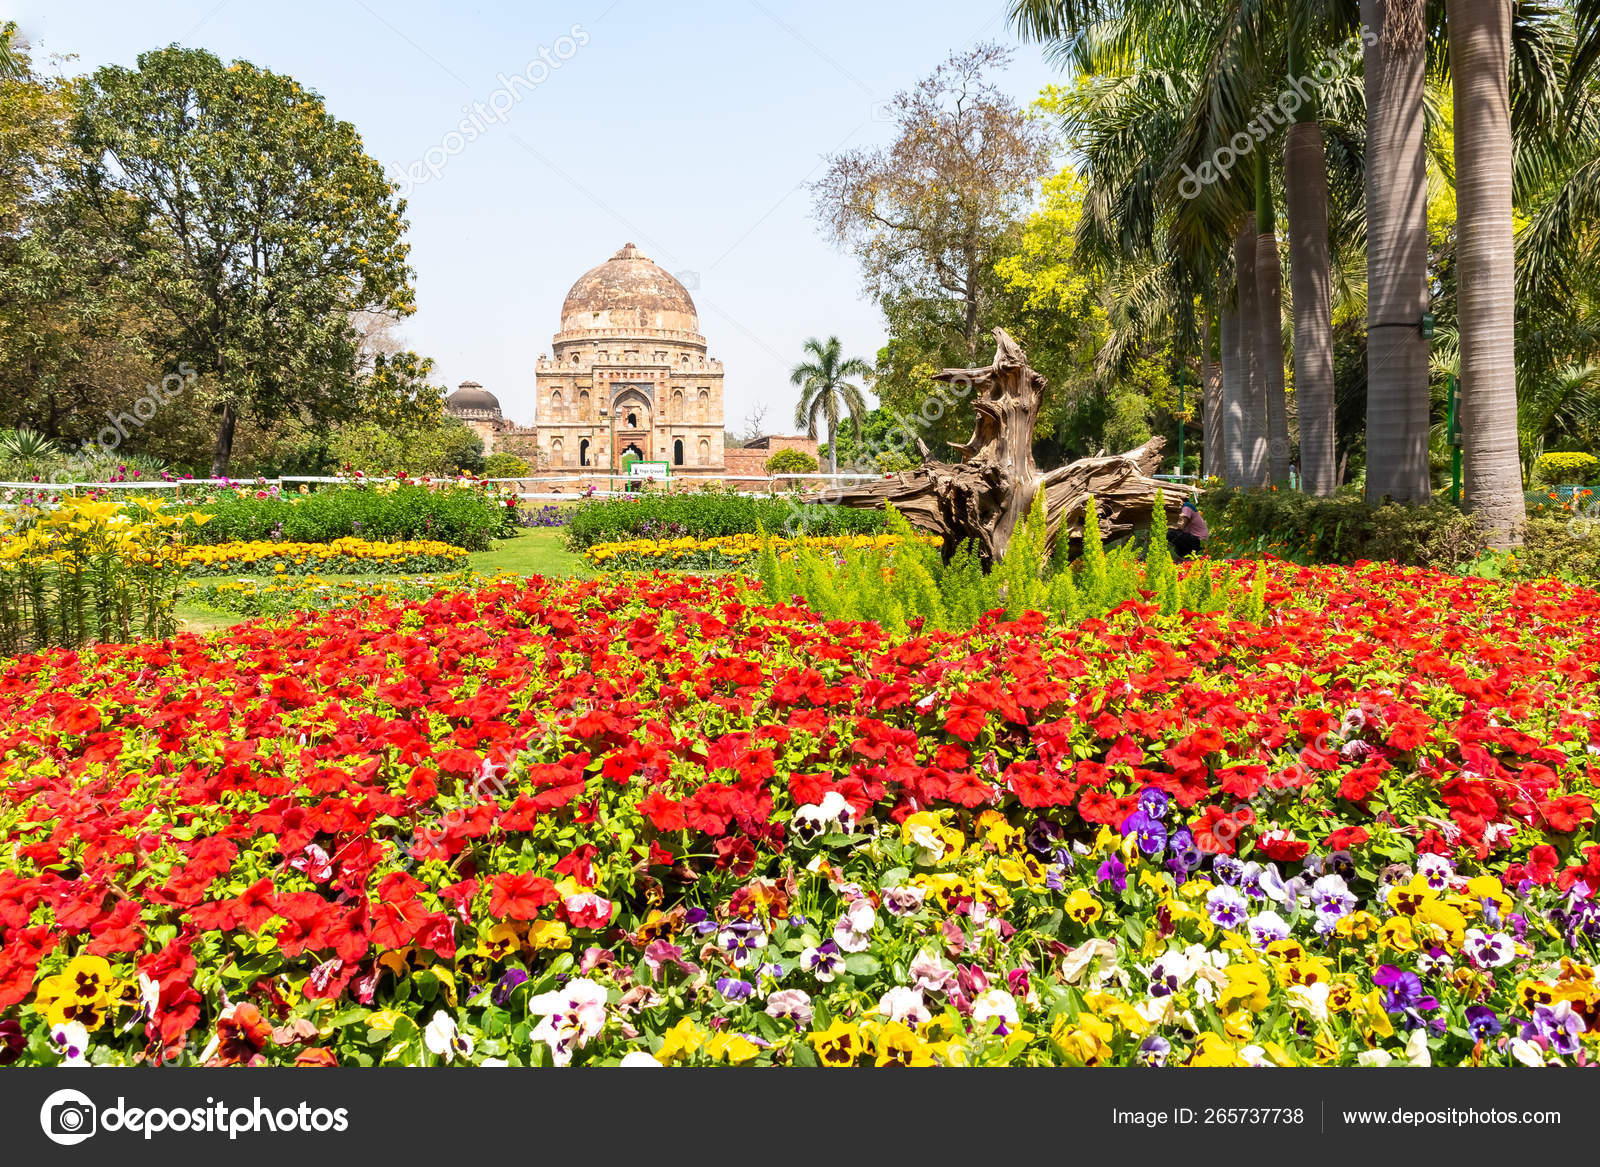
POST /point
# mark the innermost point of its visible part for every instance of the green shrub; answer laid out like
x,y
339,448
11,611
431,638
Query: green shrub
x,y
791,462
1565,469
911,587
1553,548
706,515
505,466
460,517
1303,528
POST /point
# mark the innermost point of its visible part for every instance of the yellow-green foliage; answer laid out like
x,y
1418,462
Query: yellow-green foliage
x,y
911,585
1561,469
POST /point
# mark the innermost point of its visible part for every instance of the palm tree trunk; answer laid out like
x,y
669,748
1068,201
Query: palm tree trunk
x,y
1397,252
1269,294
1252,397
1230,460
1305,183
1211,408
833,448
1480,63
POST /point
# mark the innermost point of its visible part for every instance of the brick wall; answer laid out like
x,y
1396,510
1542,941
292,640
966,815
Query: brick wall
x,y
754,461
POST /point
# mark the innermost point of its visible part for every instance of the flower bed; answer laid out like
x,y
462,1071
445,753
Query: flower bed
x,y
277,594
707,513
653,821
78,570
340,556
688,554
464,513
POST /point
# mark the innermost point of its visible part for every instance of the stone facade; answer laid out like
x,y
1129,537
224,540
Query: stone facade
x,y
628,378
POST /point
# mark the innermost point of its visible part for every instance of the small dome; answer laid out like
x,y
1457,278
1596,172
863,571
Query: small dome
x,y
472,396
627,293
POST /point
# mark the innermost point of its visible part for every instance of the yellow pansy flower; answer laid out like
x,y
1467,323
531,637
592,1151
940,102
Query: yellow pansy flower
x,y
736,1048
1448,926
680,1042
1083,907
1237,1025
1212,1049
1247,987
838,1045
899,1045
1397,934
1357,925
499,942
1088,1042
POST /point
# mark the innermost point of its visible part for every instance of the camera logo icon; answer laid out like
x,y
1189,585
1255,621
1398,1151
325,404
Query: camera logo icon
x,y
68,1117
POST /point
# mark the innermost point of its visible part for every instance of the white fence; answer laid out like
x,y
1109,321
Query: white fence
x,y
774,484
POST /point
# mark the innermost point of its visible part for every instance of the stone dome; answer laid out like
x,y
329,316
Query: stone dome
x,y
626,294
472,397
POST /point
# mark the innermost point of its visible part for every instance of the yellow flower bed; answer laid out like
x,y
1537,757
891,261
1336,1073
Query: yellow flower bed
x,y
88,569
341,555
726,550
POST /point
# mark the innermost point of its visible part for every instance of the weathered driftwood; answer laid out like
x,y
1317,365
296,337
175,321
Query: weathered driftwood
x,y
985,495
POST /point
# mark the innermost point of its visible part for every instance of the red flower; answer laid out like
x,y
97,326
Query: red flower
x,y
664,813
1542,861
1346,839
520,895
1283,847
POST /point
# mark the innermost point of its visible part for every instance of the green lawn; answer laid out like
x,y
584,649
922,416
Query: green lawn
x,y
539,551
536,551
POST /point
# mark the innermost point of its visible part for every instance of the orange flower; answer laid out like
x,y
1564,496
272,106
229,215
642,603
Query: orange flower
x,y
241,1034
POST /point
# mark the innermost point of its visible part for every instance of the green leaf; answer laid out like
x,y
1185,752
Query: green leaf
x,y
862,964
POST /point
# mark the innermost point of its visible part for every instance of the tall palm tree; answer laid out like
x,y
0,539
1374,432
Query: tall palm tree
x,y
1211,386
825,388
1480,68
1269,299
1230,466
1139,80
1305,189
11,66
1397,251
1251,424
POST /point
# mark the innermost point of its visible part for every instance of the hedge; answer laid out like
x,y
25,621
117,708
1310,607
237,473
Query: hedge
x,y
1342,529
462,518
708,515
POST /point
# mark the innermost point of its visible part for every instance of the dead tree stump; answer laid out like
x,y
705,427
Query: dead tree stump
x,y
985,495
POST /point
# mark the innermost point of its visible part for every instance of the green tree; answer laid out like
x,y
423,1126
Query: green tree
x,y
1054,304
788,461
441,446
503,465
880,440
826,390
259,228
72,340
927,215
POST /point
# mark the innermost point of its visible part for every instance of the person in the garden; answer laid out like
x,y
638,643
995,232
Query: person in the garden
x,y
1189,536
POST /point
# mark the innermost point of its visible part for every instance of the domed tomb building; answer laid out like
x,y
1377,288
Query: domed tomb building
x,y
628,377
480,410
